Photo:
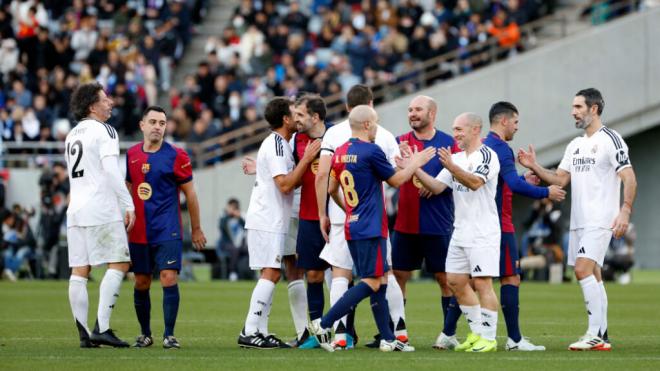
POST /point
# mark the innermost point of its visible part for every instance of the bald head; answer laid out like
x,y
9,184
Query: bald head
x,y
361,114
467,130
421,113
470,119
364,122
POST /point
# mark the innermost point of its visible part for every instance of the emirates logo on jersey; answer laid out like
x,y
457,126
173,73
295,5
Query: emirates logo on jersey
x,y
145,168
315,166
416,182
144,191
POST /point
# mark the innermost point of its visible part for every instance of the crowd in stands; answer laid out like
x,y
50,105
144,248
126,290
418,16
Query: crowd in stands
x,y
280,47
48,47
270,47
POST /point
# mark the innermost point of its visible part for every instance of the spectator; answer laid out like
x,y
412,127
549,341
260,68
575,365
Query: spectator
x,y
542,242
18,241
232,241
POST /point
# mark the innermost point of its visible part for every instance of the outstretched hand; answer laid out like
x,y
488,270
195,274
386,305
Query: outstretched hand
x,y
527,159
249,165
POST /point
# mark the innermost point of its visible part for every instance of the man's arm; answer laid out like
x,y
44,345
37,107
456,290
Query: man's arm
x,y
469,180
622,220
287,183
110,166
321,183
333,190
198,238
430,183
527,159
417,160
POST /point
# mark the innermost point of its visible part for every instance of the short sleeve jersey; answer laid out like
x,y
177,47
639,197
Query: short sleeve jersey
x,y
270,209
340,134
594,163
309,209
476,222
360,168
155,179
420,215
93,201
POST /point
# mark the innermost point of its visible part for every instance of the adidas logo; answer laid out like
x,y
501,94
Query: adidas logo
x,y
589,312
257,313
577,152
485,324
581,251
477,269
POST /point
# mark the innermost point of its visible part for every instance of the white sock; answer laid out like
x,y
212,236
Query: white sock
x,y
263,320
298,305
79,299
488,324
603,325
337,290
592,299
108,294
258,305
394,298
473,315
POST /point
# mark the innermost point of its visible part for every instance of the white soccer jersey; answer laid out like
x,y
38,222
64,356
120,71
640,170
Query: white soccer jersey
x,y
270,209
93,202
476,221
340,134
594,163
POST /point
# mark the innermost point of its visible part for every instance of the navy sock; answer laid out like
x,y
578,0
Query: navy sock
x,y
170,308
510,309
349,300
445,305
315,300
142,303
350,317
381,313
451,319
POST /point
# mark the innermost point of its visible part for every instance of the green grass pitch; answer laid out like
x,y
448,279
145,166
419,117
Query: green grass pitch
x,y
37,331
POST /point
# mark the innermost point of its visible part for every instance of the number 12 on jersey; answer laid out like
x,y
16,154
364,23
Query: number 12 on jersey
x,y
71,150
348,187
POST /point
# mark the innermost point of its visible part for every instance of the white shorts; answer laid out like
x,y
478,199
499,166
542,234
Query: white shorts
x,y
337,254
482,261
291,238
266,249
99,244
590,243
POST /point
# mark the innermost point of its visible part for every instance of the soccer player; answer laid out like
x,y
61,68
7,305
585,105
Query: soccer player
x,y
503,117
96,230
424,221
332,216
268,218
156,172
595,163
360,166
474,249
309,117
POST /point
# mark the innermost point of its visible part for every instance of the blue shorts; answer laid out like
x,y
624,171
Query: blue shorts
x,y
509,258
159,256
369,257
309,244
409,250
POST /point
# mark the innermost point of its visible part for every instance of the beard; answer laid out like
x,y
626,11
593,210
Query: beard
x,y
584,123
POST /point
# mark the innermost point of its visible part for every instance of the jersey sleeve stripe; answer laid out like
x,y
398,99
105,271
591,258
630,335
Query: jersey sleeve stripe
x,y
614,137
486,155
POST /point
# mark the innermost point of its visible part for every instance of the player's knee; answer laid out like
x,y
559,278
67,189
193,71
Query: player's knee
x,y
168,277
583,268
142,281
483,285
511,280
271,274
315,276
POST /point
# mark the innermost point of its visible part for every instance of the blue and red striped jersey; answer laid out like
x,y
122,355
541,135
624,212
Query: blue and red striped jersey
x,y
155,179
509,182
361,167
309,210
418,215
